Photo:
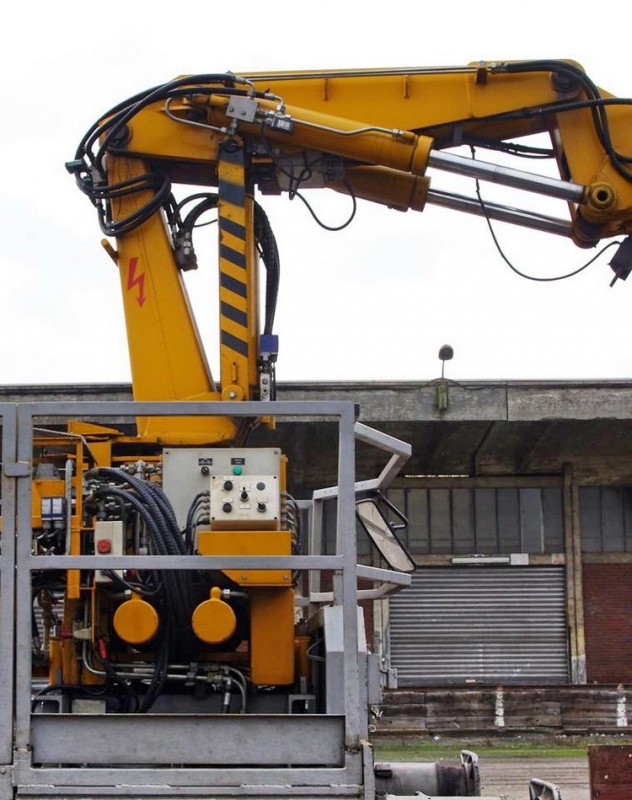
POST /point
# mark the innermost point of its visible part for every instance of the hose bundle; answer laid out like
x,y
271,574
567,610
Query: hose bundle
x,y
173,591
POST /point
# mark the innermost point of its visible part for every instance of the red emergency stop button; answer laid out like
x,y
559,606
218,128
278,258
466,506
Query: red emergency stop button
x,y
104,546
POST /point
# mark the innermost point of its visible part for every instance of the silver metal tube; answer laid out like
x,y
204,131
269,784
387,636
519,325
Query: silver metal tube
x,y
359,73
138,672
517,216
395,132
68,494
506,176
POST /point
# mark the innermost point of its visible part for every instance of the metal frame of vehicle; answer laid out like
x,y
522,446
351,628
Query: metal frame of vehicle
x,y
8,415
132,755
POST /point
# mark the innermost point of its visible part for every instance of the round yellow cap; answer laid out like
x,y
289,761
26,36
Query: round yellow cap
x,y
136,621
214,620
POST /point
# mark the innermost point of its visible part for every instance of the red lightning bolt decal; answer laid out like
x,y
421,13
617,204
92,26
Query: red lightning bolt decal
x,y
136,280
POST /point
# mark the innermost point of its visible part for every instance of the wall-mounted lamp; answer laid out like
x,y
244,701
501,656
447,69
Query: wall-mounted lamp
x,y
442,400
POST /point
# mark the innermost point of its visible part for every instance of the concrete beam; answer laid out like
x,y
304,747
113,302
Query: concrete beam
x,y
415,401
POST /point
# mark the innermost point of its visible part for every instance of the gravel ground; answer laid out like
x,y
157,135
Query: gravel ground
x,y
509,777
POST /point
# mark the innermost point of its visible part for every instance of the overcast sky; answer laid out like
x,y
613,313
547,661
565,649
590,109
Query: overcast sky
x,y
374,302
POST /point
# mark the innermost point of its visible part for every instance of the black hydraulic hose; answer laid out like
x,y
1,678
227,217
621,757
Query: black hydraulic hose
x,y
158,678
158,93
74,688
168,590
134,220
157,540
208,203
167,509
150,499
179,589
92,134
188,531
163,515
270,257
105,134
597,108
131,695
137,505
266,243
183,234
138,588
116,116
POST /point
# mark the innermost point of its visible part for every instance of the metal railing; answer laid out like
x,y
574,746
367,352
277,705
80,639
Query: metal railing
x,y
52,734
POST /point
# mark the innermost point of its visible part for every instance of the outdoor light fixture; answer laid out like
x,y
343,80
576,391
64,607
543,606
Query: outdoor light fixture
x,y
446,353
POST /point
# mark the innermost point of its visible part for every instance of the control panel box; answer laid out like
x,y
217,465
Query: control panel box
x,y
187,471
245,501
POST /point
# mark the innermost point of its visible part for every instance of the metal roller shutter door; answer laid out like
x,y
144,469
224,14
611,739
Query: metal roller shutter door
x,y
464,625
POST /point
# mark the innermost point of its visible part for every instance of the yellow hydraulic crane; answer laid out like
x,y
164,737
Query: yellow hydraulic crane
x,y
222,620
369,133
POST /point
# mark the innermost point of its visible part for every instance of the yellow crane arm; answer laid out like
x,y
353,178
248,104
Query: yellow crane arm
x,y
487,104
370,133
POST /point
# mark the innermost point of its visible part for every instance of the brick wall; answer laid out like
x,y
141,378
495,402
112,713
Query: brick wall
x,y
608,622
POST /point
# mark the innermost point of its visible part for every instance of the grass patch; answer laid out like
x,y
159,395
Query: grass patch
x,y
489,748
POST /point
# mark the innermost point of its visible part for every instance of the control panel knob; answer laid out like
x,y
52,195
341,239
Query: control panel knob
x,y
228,486
227,508
261,507
244,495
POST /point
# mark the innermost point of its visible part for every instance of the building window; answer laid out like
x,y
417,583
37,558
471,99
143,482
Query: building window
x,y
490,520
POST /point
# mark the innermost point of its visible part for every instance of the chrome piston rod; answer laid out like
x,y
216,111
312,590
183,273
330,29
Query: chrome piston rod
x,y
517,179
517,216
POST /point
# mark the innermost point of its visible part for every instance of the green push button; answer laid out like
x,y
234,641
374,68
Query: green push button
x,y
237,470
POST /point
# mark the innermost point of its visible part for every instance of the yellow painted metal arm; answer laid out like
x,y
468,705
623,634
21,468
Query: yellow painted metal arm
x,y
371,133
392,119
491,103
166,355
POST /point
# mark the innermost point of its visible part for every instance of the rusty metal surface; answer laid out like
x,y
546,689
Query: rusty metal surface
x,y
610,772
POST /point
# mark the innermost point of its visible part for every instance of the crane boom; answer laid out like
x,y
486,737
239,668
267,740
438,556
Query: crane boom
x,y
370,133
